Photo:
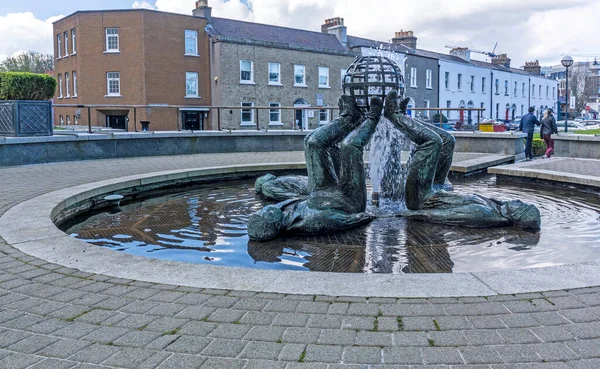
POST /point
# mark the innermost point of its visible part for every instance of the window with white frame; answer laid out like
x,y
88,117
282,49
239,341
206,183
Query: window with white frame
x,y
113,83
274,74
532,90
426,112
60,86
497,85
428,78
413,77
299,75
58,47
73,41
191,42
247,114
342,75
67,82
447,80
547,92
540,91
522,109
523,90
324,115
554,91
323,77
246,71
448,105
112,40
274,114
472,83
61,120
482,106
505,87
483,84
74,84
191,84
66,37
497,110
515,91
459,82
68,120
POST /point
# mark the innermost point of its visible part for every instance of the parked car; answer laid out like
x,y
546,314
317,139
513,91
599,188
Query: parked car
x,y
592,122
513,125
571,125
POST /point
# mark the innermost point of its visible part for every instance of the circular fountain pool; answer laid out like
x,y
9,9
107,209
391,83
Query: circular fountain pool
x,y
207,225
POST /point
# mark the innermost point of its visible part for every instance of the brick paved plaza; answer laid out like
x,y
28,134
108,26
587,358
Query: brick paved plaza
x,y
56,317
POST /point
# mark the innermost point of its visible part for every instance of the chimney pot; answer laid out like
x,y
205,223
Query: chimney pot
x,y
406,38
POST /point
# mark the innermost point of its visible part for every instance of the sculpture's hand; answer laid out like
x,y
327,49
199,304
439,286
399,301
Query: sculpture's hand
x,y
348,107
391,105
375,108
403,105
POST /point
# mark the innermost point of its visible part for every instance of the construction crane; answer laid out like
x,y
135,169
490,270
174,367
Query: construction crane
x,y
491,54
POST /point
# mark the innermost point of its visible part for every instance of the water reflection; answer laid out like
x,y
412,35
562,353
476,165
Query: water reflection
x,y
207,225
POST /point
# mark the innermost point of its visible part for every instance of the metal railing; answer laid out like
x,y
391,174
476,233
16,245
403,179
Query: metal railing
x,y
256,109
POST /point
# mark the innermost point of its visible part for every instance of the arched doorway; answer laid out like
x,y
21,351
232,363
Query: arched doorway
x,y
507,111
301,118
462,104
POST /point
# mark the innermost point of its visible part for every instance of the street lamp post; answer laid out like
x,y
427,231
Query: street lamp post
x,y
567,61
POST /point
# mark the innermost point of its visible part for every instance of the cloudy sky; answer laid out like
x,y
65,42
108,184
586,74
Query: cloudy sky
x,y
525,30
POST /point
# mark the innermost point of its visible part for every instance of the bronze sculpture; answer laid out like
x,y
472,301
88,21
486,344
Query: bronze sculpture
x,y
333,197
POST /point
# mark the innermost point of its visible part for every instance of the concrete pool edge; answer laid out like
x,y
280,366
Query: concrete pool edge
x,y
29,227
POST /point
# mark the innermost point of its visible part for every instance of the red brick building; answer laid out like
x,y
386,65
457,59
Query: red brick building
x,y
138,64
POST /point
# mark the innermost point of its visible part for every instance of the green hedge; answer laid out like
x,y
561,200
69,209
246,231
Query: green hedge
x,y
26,86
539,147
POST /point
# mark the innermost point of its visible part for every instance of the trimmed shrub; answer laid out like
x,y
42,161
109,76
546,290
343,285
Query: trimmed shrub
x,y
538,147
26,86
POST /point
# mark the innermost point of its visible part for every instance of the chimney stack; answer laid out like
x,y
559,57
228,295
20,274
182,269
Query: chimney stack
x,y
501,59
331,22
405,38
462,52
203,10
533,67
335,26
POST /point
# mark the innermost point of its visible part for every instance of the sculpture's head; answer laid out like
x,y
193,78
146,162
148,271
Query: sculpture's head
x,y
262,180
265,224
523,215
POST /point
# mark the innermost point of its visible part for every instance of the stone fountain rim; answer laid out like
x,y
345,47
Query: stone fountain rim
x,y
29,227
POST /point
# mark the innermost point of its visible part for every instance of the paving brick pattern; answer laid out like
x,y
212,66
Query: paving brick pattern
x,y
57,317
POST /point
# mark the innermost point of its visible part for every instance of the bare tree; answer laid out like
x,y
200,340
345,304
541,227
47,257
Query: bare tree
x,y
30,61
577,86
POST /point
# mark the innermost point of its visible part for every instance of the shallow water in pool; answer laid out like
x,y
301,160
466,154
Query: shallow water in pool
x,y
207,225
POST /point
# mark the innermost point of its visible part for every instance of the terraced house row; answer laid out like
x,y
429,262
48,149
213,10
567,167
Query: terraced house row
x,y
119,68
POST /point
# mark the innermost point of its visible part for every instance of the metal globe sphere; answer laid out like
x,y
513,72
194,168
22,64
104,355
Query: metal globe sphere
x,y
371,76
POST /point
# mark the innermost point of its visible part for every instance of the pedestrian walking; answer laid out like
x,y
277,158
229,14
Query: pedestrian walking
x,y
527,125
548,129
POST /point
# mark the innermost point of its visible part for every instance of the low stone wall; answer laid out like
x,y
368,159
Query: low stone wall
x,y
577,146
36,150
502,143
84,146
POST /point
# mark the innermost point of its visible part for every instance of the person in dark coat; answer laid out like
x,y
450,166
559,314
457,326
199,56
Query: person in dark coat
x,y
548,129
527,125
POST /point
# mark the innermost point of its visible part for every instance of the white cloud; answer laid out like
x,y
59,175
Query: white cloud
x,y
142,5
525,30
23,31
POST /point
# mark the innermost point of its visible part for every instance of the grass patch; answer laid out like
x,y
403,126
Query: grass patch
x,y
431,342
143,327
71,319
375,325
302,356
588,132
170,333
437,326
400,323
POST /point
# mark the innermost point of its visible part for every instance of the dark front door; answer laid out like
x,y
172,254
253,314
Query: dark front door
x,y
117,121
192,121
298,123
